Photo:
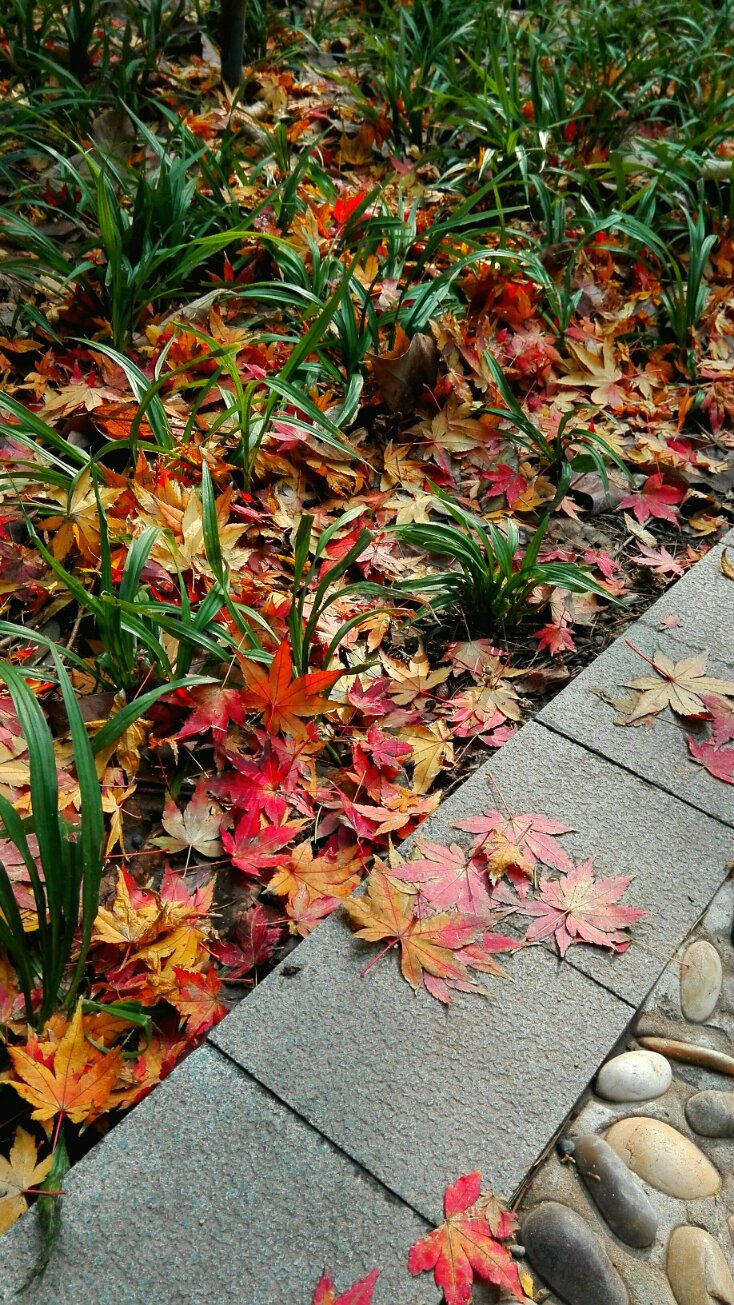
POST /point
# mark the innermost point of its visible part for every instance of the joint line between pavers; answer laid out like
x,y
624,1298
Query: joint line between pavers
x,y
356,1164
644,779
565,960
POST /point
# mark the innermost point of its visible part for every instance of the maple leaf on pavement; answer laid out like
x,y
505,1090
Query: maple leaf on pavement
x,y
447,879
532,835
387,913
712,753
580,909
463,1246
78,1083
655,499
21,1171
282,700
678,685
359,1294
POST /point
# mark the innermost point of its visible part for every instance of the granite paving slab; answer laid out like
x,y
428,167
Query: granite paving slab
x,y
678,857
416,1093
703,601
212,1191
656,749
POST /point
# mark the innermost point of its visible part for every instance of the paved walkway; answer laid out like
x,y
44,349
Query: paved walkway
x,y
322,1121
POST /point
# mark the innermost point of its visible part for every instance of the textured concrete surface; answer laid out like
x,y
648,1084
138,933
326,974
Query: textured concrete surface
x,y
703,600
212,1191
656,749
415,1093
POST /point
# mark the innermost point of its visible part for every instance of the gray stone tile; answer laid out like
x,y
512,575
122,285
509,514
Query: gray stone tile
x,y
416,1093
213,1191
678,857
657,750
703,600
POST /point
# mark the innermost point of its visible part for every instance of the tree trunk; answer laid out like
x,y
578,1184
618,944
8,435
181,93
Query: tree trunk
x,y
232,41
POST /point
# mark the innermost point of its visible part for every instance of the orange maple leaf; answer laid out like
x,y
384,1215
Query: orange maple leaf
x,y
283,700
78,1084
321,876
432,944
198,1000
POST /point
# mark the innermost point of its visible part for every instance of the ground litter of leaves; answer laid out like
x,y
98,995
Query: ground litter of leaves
x,y
243,809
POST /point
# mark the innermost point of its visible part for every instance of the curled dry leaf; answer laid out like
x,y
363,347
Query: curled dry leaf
x,y
727,566
403,374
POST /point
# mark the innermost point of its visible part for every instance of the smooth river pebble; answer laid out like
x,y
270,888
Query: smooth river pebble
x,y
697,1269
616,1191
711,1113
571,1261
664,1158
634,1076
700,981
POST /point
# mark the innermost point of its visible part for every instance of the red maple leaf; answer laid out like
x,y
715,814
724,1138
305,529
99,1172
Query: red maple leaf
x,y
504,480
447,879
580,909
268,783
534,835
359,1294
213,709
712,753
658,560
282,700
255,939
253,849
463,1247
556,638
655,499
198,1000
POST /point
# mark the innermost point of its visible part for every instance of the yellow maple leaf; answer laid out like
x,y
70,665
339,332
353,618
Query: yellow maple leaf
x,y
20,1171
432,749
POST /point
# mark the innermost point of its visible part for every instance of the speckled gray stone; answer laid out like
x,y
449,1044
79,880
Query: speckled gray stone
x,y
703,600
416,1093
657,751
615,1190
213,1191
711,1113
562,1248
